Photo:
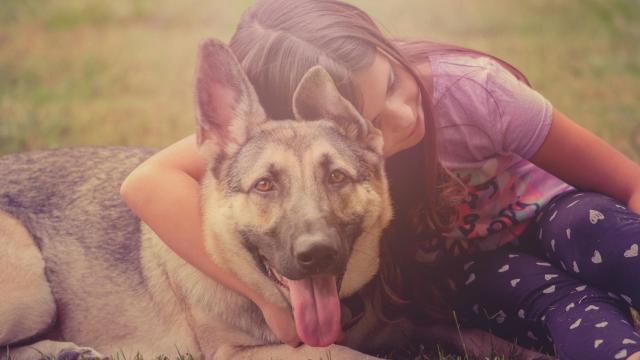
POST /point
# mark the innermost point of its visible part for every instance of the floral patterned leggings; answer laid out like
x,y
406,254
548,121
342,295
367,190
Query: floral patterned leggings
x,y
567,288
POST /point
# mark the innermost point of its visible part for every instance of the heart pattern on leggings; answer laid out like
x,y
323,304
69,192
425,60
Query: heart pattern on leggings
x,y
575,267
595,216
575,324
470,279
632,252
621,354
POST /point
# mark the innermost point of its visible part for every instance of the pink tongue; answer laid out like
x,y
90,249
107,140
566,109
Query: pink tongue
x,y
316,309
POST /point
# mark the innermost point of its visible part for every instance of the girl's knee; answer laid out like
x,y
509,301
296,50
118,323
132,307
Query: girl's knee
x,y
577,218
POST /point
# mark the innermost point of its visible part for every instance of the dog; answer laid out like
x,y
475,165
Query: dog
x,y
294,208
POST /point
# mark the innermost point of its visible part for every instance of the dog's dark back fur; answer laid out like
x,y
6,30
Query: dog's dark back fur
x,y
53,193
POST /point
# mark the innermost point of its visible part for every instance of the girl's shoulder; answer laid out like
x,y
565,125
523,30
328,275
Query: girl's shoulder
x,y
466,73
476,97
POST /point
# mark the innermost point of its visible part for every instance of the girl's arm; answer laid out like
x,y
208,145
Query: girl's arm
x,y
164,192
587,162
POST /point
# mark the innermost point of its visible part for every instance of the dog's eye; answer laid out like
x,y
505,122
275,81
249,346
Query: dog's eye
x,y
264,185
337,177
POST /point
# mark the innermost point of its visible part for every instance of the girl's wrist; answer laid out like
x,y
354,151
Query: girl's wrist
x,y
634,202
257,299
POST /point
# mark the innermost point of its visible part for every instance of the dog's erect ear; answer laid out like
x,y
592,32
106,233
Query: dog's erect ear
x,y
226,104
318,98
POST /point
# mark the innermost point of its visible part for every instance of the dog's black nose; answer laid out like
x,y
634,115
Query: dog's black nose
x,y
317,258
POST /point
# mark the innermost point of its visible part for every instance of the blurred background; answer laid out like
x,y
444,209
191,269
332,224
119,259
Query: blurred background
x,y
95,72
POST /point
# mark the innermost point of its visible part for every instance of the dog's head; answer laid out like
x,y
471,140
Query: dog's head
x,y
295,208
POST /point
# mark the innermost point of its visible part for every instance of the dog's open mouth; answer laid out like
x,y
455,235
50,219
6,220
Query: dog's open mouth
x,y
315,304
276,277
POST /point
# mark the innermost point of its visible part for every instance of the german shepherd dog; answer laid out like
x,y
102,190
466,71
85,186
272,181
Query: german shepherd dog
x,y
294,208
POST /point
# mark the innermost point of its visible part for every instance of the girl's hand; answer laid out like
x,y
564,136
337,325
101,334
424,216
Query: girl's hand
x,y
281,322
634,202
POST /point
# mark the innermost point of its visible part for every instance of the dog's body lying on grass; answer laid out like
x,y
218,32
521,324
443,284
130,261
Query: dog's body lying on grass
x,y
295,208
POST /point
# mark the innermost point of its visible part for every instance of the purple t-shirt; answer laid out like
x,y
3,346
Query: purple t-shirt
x,y
488,123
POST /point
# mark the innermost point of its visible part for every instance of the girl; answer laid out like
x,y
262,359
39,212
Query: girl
x,y
507,211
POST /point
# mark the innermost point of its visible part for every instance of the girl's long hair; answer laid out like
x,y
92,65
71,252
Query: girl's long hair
x,y
277,41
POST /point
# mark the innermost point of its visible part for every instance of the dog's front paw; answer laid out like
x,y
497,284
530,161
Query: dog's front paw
x,y
80,353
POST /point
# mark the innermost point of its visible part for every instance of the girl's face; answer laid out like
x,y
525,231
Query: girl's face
x,y
392,102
